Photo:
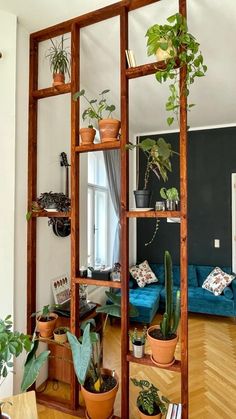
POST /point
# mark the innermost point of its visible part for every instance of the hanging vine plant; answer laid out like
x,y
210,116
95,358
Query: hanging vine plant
x,y
179,48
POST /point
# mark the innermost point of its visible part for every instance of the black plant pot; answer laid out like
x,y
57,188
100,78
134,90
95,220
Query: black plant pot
x,y
142,198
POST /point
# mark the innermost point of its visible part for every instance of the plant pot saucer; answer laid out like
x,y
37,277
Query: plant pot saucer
x,y
162,365
88,417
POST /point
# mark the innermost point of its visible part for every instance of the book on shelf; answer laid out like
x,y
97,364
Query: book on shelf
x,y
174,411
130,58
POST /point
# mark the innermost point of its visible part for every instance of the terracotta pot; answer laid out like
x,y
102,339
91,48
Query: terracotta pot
x,y
143,416
100,405
59,337
109,129
162,350
46,328
58,79
87,135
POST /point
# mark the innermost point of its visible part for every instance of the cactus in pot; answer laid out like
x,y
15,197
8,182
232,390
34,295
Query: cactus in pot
x,y
163,339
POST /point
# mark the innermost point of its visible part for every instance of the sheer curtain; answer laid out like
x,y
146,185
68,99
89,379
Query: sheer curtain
x,y
112,166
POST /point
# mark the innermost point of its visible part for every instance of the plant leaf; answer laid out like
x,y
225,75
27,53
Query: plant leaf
x,y
81,353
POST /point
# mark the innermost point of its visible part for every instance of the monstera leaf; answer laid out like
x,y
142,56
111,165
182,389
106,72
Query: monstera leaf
x,y
81,353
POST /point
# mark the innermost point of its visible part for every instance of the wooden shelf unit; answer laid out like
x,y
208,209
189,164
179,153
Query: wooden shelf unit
x,y
73,26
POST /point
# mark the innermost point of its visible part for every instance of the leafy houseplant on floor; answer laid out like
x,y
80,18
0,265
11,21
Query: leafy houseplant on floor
x,y
163,339
138,341
149,403
171,196
12,344
179,47
98,385
108,127
59,59
46,321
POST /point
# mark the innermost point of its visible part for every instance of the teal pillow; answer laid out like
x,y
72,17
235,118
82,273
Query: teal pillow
x,y
202,273
192,276
159,271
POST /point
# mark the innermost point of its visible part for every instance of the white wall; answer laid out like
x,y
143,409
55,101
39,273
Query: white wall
x,y
7,179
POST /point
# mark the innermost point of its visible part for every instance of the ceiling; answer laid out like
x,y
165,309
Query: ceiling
x,y
212,22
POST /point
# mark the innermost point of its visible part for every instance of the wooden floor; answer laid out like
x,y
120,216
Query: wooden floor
x,y
212,370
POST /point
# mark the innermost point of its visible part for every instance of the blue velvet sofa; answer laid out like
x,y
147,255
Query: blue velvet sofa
x,y
151,298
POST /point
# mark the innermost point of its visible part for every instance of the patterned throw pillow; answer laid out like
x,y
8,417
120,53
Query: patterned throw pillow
x,y
143,274
217,281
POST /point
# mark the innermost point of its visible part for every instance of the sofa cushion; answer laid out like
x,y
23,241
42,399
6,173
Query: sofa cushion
x,y
146,300
159,271
228,293
203,301
192,275
143,274
217,281
204,270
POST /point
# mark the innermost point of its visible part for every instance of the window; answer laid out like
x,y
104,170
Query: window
x,y
101,214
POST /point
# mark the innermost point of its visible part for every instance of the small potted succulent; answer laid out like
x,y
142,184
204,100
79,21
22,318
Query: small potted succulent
x,y
59,59
171,196
173,43
60,334
163,339
108,127
46,321
138,341
149,403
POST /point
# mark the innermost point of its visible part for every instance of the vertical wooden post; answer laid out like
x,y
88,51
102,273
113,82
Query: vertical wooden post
x,y
32,186
124,219
183,233
74,304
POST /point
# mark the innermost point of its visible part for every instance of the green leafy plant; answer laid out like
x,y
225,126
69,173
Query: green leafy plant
x,y
97,107
149,401
183,50
171,194
171,317
138,336
59,57
158,153
12,344
44,313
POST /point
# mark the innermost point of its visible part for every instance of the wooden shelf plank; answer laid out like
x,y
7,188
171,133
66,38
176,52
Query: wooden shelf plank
x,y
153,214
107,145
54,214
146,360
99,282
146,69
52,91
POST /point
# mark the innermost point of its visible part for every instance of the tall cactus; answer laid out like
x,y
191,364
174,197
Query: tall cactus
x,y
171,316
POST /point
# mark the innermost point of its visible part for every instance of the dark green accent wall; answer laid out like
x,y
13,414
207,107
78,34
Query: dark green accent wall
x,y
211,161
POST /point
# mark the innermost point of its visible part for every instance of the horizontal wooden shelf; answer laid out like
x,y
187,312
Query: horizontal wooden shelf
x,y
99,282
54,214
153,214
52,91
146,360
106,145
146,69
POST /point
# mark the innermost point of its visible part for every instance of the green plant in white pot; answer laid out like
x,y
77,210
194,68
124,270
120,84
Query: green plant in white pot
x,y
171,196
179,48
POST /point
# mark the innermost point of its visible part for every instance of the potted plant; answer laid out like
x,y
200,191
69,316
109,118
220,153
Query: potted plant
x,y
171,196
163,339
46,321
60,334
59,59
108,127
158,153
179,47
138,341
13,343
98,385
149,403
